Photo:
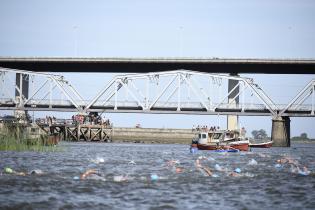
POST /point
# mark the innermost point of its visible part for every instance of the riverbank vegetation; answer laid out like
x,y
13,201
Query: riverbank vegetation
x,y
259,134
302,137
14,137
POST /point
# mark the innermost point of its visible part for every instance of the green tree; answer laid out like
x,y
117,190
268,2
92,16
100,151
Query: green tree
x,y
303,136
259,134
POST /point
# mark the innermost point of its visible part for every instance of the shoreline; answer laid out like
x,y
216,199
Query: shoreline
x,y
303,141
152,135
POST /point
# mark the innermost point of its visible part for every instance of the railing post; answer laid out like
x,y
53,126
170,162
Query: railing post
x,y
50,93
116,91
313,100
178,93
147,94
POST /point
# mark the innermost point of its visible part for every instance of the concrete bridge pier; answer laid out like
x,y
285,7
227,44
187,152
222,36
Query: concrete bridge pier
x,y
280,133
232,120
22,82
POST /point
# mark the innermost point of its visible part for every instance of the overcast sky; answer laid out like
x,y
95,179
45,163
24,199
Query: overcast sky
x,y
223,28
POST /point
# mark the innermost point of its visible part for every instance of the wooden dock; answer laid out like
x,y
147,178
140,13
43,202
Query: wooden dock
x,y
80,132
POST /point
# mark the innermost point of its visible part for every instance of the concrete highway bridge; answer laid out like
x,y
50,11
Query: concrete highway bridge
x,y
137,65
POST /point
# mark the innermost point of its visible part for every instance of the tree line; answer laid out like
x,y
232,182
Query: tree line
x,y
262,134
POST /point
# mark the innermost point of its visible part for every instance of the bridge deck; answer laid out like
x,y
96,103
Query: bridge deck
x,y
212,65
171,108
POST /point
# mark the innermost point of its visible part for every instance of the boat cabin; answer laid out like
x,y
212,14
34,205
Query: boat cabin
x,y
212,140
231,135
210,137
218,136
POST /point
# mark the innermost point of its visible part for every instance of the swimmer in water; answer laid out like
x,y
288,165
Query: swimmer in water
x,y
297,170
179,170
295,166
288,160
205,169
234,174
120,178
220,168
172,162
88,173
305,170
36,172
11,171
92,174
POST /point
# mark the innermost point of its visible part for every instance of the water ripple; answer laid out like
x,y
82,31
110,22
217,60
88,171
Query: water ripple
x,y
124,173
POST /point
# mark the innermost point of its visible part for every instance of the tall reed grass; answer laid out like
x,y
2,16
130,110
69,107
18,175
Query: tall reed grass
x,y
14,137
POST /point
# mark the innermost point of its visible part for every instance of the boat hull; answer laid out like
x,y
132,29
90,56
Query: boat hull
x,y
208,147
261,145
194,145
240,146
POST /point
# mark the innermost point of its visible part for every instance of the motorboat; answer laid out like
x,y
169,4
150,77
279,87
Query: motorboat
x,y
221,140
260,143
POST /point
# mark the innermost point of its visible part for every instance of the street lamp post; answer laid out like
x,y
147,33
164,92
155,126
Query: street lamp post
x,y
181,41
75,41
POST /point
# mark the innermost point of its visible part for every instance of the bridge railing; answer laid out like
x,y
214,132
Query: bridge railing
x,y
55,102
56,121
161,104
8,101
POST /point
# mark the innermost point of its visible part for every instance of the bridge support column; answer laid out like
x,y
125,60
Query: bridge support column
x,y
22,82
232,120
280,133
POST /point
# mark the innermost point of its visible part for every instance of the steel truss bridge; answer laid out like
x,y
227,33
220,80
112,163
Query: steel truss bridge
x,y
168,92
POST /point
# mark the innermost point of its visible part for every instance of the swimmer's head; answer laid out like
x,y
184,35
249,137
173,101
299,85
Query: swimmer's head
x,y
178,170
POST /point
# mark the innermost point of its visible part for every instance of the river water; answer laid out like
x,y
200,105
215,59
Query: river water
x,y
152,181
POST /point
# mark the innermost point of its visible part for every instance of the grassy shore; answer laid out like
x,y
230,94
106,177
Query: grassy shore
x,y
304,141
14,138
